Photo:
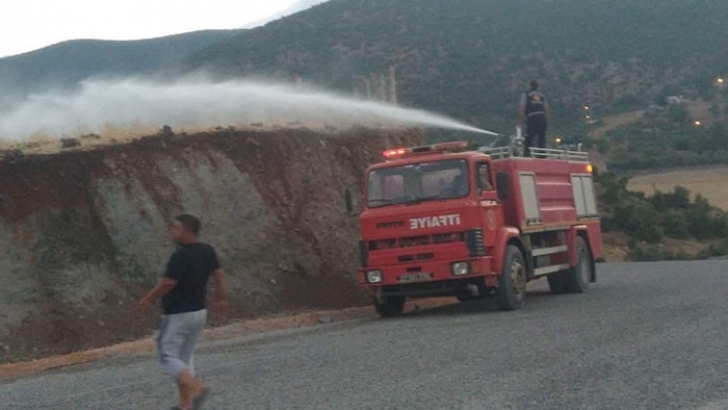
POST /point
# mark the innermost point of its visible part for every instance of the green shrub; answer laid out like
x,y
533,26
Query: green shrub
x,y
675,225
677,199
639,220
603,146
718,250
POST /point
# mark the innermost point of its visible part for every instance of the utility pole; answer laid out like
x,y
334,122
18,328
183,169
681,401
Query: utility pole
x,y
382,89
393,85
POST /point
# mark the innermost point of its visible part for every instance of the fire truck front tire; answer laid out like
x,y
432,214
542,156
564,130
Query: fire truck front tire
x,y
577,278
391,306
511,289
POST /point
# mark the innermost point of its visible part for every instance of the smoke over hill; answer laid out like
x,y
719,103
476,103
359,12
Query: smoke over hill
x,y
196,102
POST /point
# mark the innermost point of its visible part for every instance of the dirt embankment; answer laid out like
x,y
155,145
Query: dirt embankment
x,y
84,233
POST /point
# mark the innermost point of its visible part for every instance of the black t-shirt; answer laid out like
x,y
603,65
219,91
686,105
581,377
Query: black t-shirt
x,y
191,266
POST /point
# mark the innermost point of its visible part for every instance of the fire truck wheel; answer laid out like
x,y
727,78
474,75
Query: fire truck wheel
x,y
511,289
392,306
557,282
465,297
577,278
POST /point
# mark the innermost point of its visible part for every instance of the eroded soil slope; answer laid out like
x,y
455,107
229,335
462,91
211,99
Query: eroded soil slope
x,y
83,234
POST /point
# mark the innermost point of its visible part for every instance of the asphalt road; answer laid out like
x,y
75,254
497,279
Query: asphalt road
x,y
647,336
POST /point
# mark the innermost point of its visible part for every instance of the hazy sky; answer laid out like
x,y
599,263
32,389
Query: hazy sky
x,y
26,25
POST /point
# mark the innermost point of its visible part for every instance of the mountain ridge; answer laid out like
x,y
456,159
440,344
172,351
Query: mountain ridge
x,y
65,64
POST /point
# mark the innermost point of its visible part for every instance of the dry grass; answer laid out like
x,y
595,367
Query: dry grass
x,y
685,246
614,246
710,182
42,142
610,123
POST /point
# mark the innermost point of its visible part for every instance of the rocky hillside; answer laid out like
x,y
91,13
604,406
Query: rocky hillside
x,y
84,233
471,58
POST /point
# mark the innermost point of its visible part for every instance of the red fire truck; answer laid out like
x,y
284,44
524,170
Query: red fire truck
x,y
441,221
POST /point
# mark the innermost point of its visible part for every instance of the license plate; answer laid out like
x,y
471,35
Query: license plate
x,y
415,277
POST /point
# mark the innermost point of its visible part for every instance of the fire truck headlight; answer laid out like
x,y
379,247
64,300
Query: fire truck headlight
x,y
460,268
374,276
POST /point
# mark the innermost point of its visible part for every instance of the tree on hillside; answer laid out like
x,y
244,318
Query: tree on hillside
x,y
678,114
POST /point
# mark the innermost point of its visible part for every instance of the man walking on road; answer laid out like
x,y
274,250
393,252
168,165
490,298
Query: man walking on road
x,y
183,290
534,110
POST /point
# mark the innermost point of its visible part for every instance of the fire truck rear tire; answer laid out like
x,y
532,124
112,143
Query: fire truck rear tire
x,y
577,278
390,307
557,282
511,289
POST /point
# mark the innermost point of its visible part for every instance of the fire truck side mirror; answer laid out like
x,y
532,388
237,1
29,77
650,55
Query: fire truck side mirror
x,y
503,185
349,202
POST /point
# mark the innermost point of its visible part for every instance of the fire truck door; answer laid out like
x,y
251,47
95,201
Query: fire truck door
x,y
491,211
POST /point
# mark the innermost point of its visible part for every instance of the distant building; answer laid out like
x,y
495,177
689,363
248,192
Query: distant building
x,y
675,100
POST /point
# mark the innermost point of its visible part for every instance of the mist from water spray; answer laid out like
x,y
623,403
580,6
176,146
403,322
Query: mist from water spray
x,y
203,103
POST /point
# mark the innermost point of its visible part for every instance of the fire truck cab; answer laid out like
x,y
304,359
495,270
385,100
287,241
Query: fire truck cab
x,y
441,221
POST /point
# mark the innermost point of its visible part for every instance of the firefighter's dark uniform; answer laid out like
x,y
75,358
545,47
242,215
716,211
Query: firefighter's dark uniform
x,y
536,121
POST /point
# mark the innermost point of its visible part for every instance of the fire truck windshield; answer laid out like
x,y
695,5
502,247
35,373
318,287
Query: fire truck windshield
x,y
416,183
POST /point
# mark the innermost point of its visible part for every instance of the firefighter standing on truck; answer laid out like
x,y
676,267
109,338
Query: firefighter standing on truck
x,y
534,111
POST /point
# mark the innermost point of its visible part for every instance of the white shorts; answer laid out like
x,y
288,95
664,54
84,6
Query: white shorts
x,y
176,340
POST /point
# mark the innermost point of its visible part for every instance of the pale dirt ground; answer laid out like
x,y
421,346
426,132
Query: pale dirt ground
x,y
711,182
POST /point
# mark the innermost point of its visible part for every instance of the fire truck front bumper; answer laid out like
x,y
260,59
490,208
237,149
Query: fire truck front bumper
x,y
436,278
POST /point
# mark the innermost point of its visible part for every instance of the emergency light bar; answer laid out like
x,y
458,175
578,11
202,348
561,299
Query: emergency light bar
x,y
424,149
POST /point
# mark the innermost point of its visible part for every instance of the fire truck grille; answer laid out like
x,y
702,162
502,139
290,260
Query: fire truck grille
x,y
418,257
448,237
474,239
382,244
411,241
